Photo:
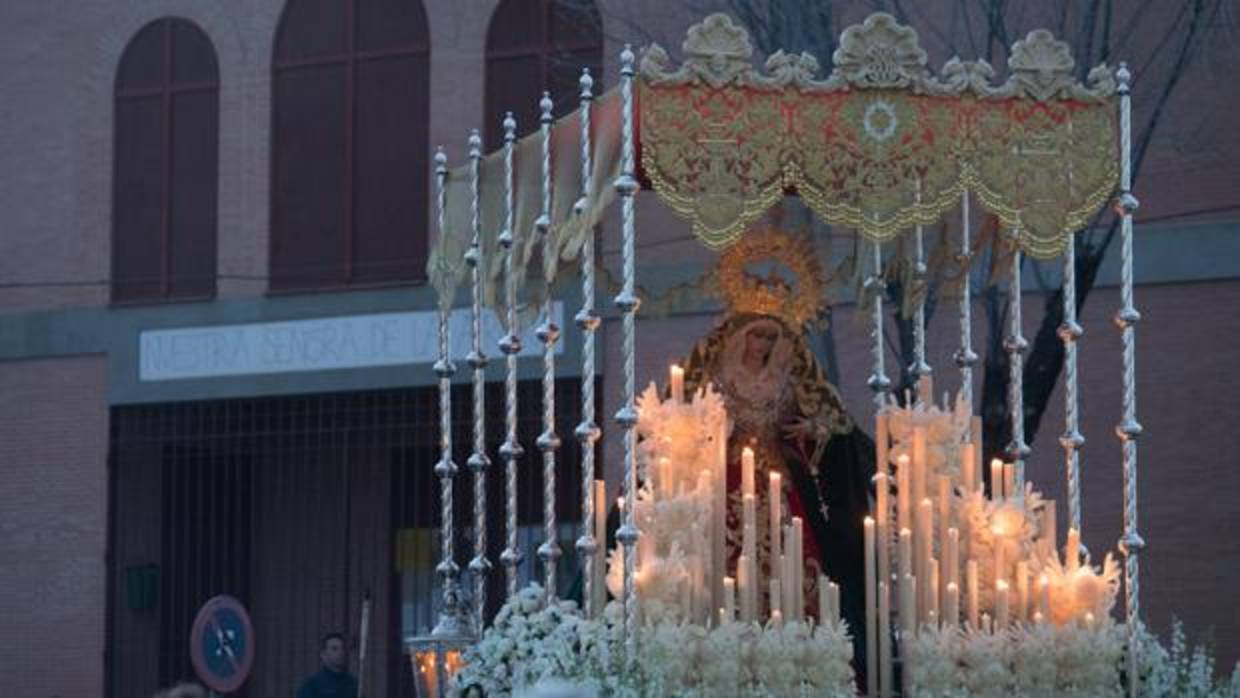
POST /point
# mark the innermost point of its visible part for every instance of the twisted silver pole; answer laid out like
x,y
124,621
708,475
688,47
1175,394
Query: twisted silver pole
x,y
1129,429
879,383
450,612
478,462
1015,344
965,356
627,302
587,432
1072,440
548,333
510,345
920,367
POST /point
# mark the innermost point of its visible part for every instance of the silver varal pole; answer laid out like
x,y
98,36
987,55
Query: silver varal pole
x,y
510,345
627,302
478,462
1015,344
548,333
965,357
1129,429
920,367
879,383
1070,332
587,432
452,620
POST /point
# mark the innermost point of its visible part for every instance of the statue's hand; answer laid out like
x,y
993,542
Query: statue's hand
x,y
807,429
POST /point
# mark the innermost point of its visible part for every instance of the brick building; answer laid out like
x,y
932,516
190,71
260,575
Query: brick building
x,y
181,178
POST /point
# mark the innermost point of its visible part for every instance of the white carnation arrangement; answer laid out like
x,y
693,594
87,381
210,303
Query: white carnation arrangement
x,y
1031,660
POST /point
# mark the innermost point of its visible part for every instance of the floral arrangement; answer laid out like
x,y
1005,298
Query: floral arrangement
x,y
1077,661
533,642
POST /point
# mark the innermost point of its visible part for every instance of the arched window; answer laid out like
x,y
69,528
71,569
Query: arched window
x,y
349,198
537,45
166,165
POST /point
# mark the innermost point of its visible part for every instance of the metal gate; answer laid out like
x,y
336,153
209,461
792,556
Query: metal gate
x,y
299,507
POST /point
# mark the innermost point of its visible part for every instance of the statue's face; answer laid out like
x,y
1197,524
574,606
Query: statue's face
x,y
759,341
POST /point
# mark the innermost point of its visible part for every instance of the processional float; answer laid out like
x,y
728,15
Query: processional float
x,y
882,146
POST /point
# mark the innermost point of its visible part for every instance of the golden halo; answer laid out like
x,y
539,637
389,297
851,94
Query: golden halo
x,y
746,292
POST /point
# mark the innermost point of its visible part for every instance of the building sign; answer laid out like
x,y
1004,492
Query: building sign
x,y
354,341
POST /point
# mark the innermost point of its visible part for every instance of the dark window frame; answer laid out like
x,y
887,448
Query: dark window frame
x,y
281,282
168,89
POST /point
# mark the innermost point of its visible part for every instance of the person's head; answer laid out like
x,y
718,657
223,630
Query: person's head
x,y
332,652
760,338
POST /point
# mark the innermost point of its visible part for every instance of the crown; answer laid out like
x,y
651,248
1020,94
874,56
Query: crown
x,y
748,293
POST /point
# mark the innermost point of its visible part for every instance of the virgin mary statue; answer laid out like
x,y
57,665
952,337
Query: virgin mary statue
x,y
782,406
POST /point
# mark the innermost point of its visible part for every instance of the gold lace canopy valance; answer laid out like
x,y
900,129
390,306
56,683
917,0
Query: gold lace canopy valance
x,y
881,144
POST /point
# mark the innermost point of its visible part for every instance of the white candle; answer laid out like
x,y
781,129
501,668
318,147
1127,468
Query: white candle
x,y
920,467
749,517
945,515
782,572
951,560
1009,481
1089,619
1044,596
923,537
951,605
678,384
971,581
986,623
743,586
904,494
777,617
747,471
882,513
996,480
968,466
729,598
932,593
776,599
1022,590
598,567
1072,552
1038,618
904,552
1001,604
824,600
925,388
1050,527
908,604
1000,562
834,590
884,641
797,568
663,476
882,441
777,515
871,600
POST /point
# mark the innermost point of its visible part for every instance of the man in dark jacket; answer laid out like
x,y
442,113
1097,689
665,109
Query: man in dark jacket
x,y
333,680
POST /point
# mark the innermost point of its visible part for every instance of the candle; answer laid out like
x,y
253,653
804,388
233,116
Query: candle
x,y
749,523
920,467
882,516
1022,590
1044,596
986,623
996,480
904,494
776,600
951,559
882,441
824,600
747,471
780,572
971,581
776,511
932,593
1050,528
967,467
1038,618
951,605
884,641
904,552
908,604
1001,604
834,595
796,563
729,598
743,584
1009,481
925,388
923,537
598,561
678,384
1072,553
777,618
1089,619
663,476
1000,544
945,504
871,599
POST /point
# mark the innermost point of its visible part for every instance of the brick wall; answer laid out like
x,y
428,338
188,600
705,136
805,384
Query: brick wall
x,y
53,527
